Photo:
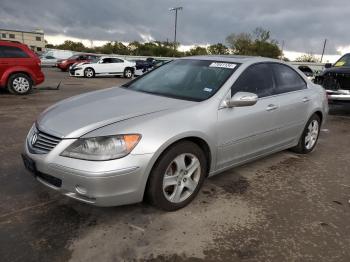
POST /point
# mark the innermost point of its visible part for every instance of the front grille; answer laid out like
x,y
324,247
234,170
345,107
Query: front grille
x,y
43,142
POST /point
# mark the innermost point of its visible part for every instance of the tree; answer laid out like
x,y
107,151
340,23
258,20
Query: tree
x,y
71,45
257,44
197,50
307,58
218,49
241,44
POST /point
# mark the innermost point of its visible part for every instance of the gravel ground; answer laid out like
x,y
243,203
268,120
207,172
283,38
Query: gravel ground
x,y
285,207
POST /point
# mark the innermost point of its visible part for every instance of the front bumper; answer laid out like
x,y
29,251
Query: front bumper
x,y
76,72
101,183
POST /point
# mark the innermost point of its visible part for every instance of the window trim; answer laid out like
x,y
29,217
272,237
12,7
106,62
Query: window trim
x,y
274,78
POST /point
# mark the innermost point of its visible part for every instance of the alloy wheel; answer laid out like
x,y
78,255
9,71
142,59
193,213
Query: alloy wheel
x,y
89,73
181,178
312,134
20,85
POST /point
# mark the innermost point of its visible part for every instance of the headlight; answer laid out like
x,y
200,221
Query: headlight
x,y
77,68
102,148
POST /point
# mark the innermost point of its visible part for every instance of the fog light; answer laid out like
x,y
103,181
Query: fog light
x,y
80,190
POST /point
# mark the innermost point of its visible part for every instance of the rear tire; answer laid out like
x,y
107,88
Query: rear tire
x,y
128,73
177,176
89,72
309,137
19,84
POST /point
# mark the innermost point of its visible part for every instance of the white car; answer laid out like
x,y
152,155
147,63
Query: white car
x,y
104,66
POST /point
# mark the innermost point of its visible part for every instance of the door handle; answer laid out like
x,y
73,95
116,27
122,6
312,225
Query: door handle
x,y
306,99
271,107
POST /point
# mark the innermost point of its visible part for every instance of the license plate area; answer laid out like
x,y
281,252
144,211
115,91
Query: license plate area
x,y
29,164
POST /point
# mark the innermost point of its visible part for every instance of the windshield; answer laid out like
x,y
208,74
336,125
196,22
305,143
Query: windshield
x,y
95,60
343,61
195,80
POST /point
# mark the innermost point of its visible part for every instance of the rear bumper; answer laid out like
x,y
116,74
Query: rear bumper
x,y
39,78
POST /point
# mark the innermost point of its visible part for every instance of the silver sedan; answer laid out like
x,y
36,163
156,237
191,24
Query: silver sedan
x,y
159,136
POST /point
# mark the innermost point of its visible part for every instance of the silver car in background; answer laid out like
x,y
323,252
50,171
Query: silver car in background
x,y
160,135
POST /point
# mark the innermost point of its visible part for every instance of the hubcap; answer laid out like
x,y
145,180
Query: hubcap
x,y
181,178
20,84
89,73
312,134
128,73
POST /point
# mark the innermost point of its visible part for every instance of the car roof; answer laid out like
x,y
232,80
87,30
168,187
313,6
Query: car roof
x,y
233,58
110,56
11,43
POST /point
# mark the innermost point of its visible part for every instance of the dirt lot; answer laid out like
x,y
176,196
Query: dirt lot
x,y
285,207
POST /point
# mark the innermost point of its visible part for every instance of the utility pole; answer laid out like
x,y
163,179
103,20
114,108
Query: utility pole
x,y
324,47
282,56
175,9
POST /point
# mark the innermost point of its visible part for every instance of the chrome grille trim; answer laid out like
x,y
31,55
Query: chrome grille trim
x,y
44,142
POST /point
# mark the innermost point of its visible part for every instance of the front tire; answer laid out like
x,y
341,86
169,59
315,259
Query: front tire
x,y
309,137
177,176
128,73
89,72
19,84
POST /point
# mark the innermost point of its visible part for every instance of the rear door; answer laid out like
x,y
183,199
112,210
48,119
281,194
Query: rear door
x,y
247,132
293,94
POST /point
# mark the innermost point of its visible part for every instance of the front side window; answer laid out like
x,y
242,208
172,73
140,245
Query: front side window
x,y
194,80
107,61
287,79
343,61
12,52
256,79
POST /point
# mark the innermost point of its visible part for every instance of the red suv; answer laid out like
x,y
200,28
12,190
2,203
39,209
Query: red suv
x,y
79,58
19,68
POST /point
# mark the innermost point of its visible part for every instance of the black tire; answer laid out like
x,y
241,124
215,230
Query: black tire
x,y
89,72
154,191
19,84
302,148
128,73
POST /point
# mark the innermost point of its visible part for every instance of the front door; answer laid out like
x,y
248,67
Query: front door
x,y
247,132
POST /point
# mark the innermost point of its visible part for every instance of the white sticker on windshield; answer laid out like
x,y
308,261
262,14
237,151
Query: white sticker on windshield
x,y
223,65
207,89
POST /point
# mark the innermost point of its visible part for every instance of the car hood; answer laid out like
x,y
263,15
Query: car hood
x,y
338,70
76,116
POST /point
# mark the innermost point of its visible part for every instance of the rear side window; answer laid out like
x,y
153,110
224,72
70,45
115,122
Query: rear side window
x,y
287,80
12,52
257,79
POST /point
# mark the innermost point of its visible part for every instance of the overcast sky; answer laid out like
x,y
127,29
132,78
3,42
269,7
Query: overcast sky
x,y
303,25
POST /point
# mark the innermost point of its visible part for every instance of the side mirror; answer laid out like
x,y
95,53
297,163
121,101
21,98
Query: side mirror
x,y
328,65
242,99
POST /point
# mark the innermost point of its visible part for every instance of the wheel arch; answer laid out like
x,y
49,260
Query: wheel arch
x,y
201,142
6,76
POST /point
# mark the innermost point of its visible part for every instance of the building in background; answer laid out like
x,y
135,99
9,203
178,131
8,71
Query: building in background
x,y
33,39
